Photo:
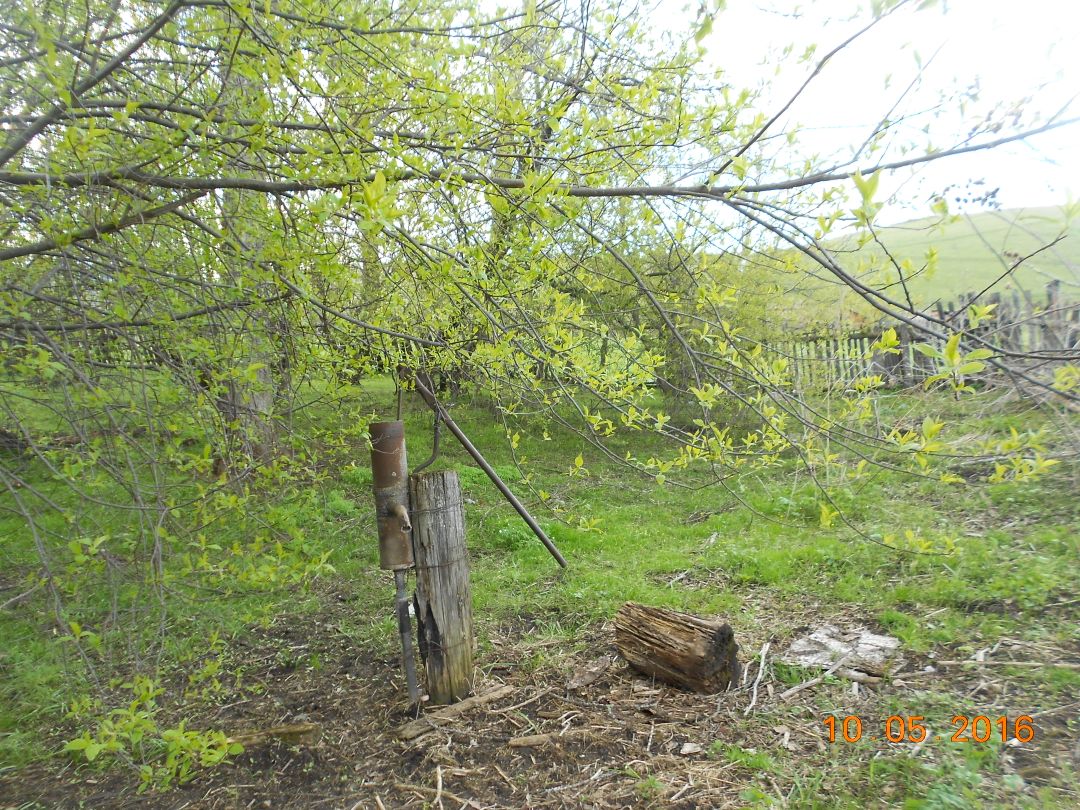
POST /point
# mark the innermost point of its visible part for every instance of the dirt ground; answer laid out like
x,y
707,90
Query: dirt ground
x,y
613,740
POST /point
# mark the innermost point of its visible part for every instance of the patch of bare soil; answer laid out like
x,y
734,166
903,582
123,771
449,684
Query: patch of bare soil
x,y
578,731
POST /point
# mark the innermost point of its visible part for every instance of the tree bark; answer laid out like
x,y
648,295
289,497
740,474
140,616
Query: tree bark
x,y
250,403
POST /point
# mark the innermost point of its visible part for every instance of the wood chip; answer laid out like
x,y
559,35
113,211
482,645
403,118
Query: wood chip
x,y
590,673
438,793
858,648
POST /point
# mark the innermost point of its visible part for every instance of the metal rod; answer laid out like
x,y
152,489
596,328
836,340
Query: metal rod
x,y
436,430
405,629
429,398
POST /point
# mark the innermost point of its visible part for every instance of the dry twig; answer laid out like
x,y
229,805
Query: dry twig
x,y
757,680
429,722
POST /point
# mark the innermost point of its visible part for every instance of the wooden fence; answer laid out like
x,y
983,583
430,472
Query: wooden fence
x,y
1047,329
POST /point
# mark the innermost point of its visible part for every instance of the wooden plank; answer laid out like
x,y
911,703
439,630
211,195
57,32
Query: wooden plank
x,y
537,740
294,734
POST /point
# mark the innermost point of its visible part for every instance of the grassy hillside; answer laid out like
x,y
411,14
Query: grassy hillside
x,y
972,251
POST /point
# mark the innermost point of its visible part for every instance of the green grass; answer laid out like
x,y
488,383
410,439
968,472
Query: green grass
x,y
760,555
737,755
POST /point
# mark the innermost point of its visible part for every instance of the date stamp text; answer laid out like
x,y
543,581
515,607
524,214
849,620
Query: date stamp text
x,y
912,728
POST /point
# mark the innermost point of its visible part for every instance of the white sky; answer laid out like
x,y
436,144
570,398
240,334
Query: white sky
x,y
1012,49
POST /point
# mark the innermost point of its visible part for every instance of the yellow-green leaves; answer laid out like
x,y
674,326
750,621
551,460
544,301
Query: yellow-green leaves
x,y
374,190
1021,456
825,223
704,29
1066,378
867,187
707,12
377,199
911,541
888,343
708,394
930,429
579,466
977,314
1021,468
953,365
867,383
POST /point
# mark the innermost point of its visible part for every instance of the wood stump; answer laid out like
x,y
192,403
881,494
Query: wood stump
x,y
678,648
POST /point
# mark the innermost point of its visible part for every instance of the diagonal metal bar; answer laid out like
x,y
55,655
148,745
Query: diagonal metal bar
x,y
470,448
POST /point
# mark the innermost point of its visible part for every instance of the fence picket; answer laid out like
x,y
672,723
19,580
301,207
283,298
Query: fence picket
x,y
1019,323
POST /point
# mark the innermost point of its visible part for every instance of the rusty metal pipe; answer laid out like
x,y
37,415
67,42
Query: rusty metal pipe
x,y
405,630
432,403
390,474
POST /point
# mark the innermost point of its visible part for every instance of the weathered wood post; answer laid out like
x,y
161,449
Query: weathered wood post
x,y
443,596
1054,319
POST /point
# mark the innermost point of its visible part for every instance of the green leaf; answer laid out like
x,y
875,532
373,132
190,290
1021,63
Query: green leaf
x,y
704,29
952,350
867,185
930,428
378,184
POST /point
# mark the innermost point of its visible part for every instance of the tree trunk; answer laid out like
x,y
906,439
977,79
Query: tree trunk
x,y
250,401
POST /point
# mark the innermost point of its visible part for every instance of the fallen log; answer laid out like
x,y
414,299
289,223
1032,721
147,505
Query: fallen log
x,y
678,648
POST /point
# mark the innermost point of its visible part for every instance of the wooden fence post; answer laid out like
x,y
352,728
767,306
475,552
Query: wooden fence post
x,y
443,597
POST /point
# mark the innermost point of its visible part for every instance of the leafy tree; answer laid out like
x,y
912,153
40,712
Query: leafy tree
x,y
211,209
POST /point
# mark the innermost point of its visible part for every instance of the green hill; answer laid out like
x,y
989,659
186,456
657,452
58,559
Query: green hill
x,y
972,252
